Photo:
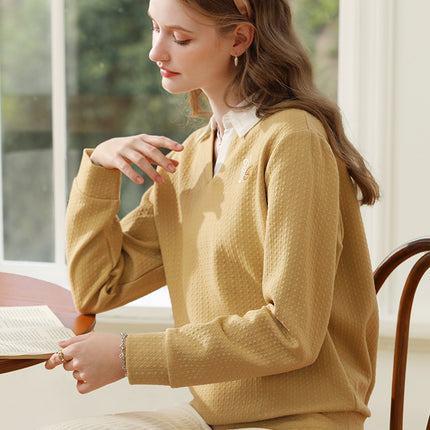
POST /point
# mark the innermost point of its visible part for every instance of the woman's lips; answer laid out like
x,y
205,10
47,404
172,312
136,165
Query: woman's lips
x,y
167,73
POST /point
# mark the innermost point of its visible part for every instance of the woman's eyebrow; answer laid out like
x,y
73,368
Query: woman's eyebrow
x,y
174,27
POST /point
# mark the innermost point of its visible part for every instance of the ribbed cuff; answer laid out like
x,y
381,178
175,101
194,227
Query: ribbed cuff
x,y
147,359
97,182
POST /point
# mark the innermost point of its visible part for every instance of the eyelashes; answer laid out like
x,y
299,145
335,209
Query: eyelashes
x,y
182,42
177,41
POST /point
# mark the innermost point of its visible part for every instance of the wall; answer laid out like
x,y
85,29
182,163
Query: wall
x,y
417,404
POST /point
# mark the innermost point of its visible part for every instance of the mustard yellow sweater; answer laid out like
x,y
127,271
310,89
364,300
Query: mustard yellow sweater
x,y
267,267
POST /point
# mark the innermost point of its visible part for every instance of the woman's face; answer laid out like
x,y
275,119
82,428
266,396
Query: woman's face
x,y
189,50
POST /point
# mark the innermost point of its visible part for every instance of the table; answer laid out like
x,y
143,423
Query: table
x,y
17,290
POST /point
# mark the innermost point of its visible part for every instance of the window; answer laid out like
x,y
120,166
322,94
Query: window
x,y
112,87
74,73
317,22
26,112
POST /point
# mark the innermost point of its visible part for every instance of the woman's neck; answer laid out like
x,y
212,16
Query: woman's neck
x,y
220,107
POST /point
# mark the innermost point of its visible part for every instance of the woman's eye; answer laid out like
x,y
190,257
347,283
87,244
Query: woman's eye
x,y
180,39
182,42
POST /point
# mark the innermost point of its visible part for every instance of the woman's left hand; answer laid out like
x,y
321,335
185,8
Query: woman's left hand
x,y
93,358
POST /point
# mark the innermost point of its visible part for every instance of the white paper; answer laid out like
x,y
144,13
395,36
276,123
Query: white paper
x,y
27,331
28,316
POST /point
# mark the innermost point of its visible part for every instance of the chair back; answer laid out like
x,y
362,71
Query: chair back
x,y
382,272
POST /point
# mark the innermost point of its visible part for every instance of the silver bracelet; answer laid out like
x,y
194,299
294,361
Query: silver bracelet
x,y
122,353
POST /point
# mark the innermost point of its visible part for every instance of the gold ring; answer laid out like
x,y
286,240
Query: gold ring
x,y
61,356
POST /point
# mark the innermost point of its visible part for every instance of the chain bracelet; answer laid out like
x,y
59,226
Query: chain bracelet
x,y
122,353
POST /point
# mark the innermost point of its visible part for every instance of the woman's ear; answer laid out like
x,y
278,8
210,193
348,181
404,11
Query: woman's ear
x,y
243,37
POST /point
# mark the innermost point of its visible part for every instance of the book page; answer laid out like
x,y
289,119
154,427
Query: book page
x,y
28,316
30,332
32,342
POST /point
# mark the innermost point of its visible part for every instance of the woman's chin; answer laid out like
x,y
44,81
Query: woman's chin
x,y
173,89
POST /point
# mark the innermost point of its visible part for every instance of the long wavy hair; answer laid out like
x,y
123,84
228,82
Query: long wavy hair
x,y
275,73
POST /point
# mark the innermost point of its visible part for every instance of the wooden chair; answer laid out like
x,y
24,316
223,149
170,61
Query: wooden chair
x,y
403,317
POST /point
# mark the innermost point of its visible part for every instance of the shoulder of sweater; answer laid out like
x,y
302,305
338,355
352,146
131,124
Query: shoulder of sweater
x,y
291,121
282,131
291,132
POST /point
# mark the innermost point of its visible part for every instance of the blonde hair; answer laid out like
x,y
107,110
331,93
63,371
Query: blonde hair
x,y
275,73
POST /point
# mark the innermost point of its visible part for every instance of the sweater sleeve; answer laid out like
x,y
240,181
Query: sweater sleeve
x,y
301,252
110,262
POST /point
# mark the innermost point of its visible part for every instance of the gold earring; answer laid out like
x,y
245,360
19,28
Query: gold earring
x,y
236,61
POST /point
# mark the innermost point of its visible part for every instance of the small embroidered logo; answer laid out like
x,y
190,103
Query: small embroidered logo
x,y
246,171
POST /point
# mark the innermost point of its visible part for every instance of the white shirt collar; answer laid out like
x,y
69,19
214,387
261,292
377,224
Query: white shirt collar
x,y
240,120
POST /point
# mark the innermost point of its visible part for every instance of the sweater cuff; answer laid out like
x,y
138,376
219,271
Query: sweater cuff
x,y
147,359
97,182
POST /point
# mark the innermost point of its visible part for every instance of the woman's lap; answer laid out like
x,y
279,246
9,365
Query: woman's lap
x,y
314,421
182,417
185,417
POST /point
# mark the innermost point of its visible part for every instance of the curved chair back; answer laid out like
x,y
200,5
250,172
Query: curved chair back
x,y
382,272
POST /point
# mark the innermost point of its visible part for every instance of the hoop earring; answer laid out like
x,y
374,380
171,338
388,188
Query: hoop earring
x,y
236,61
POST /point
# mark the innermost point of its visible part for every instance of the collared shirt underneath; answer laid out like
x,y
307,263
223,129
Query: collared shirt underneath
x,y
235,123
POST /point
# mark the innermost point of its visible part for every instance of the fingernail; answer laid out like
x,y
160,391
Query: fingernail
x,y
159,179
139,180
179,146
171,168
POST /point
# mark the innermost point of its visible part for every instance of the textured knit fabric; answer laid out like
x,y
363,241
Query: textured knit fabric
x,y
267,267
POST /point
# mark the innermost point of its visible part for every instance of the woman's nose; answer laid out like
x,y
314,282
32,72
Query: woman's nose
x,y
158,51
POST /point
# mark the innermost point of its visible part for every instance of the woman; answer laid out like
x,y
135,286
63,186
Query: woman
x,y
254,225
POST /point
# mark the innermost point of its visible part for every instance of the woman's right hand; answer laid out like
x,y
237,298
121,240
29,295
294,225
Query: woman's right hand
x,y
141,150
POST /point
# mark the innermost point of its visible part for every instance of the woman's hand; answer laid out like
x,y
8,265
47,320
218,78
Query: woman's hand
x,y
141,150
93,358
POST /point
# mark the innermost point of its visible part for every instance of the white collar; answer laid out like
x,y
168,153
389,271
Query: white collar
x,y
240,120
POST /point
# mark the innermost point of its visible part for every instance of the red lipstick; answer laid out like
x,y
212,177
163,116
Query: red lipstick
x,y
167,73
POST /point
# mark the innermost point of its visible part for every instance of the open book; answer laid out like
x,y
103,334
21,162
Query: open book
x,y
30,332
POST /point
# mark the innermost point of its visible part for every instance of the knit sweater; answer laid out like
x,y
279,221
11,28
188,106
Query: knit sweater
x,y
267,268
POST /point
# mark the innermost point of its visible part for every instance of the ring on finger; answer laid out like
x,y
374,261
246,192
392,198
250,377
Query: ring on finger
x,y
61,356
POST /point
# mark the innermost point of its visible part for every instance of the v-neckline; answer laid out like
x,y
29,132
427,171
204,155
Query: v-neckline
x,y
212,162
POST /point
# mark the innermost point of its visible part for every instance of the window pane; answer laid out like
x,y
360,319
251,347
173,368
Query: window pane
x,y
317,22
25,67
112,87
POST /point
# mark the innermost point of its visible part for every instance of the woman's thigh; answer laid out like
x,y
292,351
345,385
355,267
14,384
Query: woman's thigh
x,y
182,417
317,421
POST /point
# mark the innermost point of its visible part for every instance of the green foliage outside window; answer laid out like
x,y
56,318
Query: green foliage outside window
x,y
317,22
113,89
